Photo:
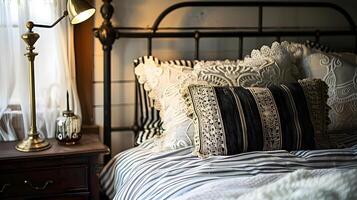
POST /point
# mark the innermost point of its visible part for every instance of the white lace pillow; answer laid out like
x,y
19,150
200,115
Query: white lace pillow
x,y
162,80
269,65
341,77
157,76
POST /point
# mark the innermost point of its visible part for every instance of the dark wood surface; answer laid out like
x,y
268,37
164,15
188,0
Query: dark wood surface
x,y
89,144
61,172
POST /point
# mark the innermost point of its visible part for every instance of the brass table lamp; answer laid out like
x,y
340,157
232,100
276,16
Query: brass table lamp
x,y
78,11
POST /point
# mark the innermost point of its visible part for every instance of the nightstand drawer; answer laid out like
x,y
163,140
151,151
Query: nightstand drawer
x,y
63,172
67,179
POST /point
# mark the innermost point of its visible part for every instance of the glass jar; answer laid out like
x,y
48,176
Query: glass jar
x,y
68,128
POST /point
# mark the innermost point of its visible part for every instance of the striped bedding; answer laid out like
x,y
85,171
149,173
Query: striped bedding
x,y
139,173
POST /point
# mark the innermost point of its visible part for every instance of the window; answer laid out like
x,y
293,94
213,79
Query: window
x,y
54,66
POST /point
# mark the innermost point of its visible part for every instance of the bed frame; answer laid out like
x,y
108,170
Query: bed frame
x,y
107,34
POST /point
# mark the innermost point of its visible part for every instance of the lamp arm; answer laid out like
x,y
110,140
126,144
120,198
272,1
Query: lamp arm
x,y
65,13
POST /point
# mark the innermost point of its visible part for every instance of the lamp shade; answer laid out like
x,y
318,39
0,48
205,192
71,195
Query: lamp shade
x,y
79,11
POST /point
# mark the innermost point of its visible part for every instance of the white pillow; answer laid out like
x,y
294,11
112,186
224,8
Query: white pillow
x,y
163,81
341,77
269,65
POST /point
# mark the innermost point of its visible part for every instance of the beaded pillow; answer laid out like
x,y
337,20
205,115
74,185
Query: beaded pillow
x,y
232,120
163,81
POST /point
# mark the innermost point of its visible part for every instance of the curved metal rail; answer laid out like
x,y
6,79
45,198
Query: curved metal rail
x,y
258,4
107,34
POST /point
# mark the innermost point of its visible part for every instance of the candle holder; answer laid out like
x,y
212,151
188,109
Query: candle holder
x,y
68,127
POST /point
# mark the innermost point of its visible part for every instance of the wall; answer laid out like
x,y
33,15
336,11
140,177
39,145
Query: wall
x,y
142,13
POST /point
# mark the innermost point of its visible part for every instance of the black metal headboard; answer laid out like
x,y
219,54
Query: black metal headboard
x,y
107,34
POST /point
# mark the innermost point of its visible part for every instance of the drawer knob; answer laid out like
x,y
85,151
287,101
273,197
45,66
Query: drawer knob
x,y
4,187
38,188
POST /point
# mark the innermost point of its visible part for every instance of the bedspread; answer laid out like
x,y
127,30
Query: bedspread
x,y
139,173
326,184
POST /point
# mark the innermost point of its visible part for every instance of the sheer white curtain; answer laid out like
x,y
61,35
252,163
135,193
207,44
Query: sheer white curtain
x,y
54,67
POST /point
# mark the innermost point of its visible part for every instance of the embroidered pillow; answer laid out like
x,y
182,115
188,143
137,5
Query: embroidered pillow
x,y
341,78
163,81
269,65
338,71
155,81
232,120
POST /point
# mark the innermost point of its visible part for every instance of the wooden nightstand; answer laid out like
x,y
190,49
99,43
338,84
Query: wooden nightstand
x,y
61,172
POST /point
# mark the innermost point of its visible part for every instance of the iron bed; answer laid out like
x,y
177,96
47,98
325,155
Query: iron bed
x,y
108,34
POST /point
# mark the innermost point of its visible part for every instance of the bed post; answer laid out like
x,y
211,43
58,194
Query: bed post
x,y
107,35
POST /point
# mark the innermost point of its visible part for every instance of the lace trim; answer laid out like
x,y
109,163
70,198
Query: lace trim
x,y
269,65
190,112
177,125
149,69
142,69
202,106
270,119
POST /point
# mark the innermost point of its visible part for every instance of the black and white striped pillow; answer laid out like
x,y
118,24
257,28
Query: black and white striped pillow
x,y
232,120
143,59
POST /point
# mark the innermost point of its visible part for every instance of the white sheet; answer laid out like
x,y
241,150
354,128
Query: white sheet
x,y
333,184
141,174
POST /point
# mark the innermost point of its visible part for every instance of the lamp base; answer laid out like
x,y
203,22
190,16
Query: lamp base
x,y
33,143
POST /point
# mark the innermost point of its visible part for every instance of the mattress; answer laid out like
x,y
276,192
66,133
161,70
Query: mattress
x,y
140,173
